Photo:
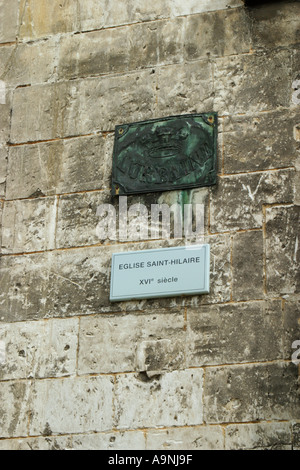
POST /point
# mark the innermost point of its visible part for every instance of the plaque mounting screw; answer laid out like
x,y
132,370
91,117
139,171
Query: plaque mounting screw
x,y
121,131
211,119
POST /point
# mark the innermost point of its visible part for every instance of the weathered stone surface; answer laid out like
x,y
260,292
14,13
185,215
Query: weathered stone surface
x,y
13,409
260,436
8,20
66,166
234,333
252,83
3,168
296,436
121,49
41,18
275,25
53,110
65,283
191,438
42,57
248,266
251,392
252,143
29,225
184,89
237,200
282,250
112,343
77,219
191,7
71,405
214,34
172,399
131,440
291,324
39,443
39,349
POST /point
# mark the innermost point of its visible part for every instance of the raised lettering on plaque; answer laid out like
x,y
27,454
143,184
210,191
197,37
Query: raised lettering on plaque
x,y
165,154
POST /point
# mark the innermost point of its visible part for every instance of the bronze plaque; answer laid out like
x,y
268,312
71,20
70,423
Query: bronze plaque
x,y
177,152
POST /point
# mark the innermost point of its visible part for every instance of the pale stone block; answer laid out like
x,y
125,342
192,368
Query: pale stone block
x,y
253,82
282,249
172,399
14,409
29,225
190,7
128,440
188,438
9,16
234,333
39,349
251,392
184,89
41,18
71,405
215,34
260,436
51,111
38,443
112,343
247,264
66,166
3,168
244,195
32,63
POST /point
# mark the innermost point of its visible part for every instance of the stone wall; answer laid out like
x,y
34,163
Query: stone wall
x,y
204,372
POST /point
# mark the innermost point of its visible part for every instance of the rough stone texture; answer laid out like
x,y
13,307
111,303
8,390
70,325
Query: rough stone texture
x,y
189,373
8,20
283,249
234,333
264,436
172,399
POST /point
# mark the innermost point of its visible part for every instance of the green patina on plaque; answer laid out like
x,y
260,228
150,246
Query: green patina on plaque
x,y
177,152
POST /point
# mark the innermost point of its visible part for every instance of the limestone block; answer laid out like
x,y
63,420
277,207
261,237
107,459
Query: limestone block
x,y
254,143
13,409
131,440
282,250
71,405
66,166
244,195
38,443
53,111
291,324
114,343
191,7
78,220
258,436
173,399
275,27
214,34
39,349
3,168
296,436
184,89
94,14
66,283
31,63
191,438
252,83
248,266
121,50
251,392
29,225
234,333
8,20
41,18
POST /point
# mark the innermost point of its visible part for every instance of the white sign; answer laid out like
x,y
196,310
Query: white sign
x,y
165,272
